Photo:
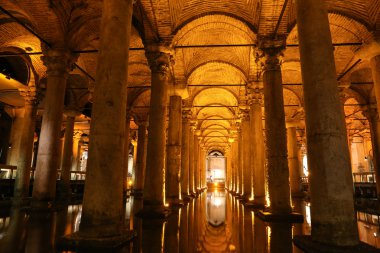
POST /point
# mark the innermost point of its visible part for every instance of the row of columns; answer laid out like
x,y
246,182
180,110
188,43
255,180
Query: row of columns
x,y
102,214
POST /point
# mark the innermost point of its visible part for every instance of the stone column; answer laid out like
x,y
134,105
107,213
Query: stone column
x,y
154,187
185,153
196,161
202,161
374,125
326,133
293,162
173,171
67,156
58,63
257,147
278,171
239,164
375,65
103,212
17,115
246,156
141,158
127,141
236,164
25,147
191,158
75,166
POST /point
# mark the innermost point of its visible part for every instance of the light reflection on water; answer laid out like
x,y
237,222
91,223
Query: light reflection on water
x,y
214,222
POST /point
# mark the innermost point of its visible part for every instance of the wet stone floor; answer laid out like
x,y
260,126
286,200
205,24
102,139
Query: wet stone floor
x,y
214,222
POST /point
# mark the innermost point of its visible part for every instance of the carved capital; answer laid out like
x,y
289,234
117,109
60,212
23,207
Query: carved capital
x,y
77,135
186,114
272,53
371,113
255,96
31,95
59,62
159,62
71,112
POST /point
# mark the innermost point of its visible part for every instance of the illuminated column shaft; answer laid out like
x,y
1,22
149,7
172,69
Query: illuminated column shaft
x,y
185,153
326,131
141,157
25,147
155,165
246,148
103,212
191,161
294,168
236,166
240,163
257,148
203,171
174,150
58,64
67,157
127,141
15,137
196,162
76,150
374,125
278,171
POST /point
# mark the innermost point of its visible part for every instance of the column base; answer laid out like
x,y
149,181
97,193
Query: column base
x,y
186,197
271,217
76,241
306,244
175,202
153,212
254,204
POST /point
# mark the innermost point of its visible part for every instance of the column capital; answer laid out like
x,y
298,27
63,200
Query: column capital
x,y
193,125
186,114
370,112
255,95
70,112
77,134
31,95
271,52
369,50
292,123
160,59
59,62
244,113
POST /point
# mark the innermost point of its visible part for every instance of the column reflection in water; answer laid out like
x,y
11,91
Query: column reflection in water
x,y
172,232
184,228
13,239
280,238
41,232
260,244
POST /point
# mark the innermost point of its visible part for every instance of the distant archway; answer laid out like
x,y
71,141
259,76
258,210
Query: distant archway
x,y
215,169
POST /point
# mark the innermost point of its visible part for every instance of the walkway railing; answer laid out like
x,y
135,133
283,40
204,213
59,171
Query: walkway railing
x,y
9,172
364,177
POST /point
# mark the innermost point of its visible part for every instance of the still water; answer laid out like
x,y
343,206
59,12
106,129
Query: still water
x,y
214,222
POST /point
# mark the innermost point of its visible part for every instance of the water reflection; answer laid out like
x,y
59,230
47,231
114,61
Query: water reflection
x,y
213,222
216,208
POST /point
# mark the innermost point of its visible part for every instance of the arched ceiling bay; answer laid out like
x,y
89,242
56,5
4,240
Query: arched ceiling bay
x,y
215,109
207,32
